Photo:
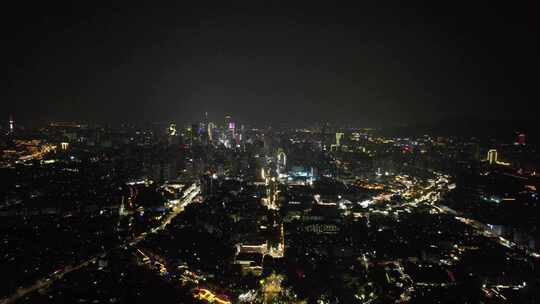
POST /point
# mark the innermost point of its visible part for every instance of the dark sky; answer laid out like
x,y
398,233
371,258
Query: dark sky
x,y
269,62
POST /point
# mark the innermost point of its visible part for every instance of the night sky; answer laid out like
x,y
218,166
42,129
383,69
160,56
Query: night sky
x,y
269,62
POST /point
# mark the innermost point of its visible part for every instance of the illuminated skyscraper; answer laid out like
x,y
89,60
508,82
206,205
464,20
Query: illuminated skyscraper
x,y
339,136
492,156
11,124
232,129
281,161
172,129
210,130
173,137
227,121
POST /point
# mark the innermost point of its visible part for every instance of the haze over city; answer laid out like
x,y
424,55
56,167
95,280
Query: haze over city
x,y
269,152
270,61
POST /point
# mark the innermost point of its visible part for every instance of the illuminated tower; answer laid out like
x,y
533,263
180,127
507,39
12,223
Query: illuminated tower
x,y
11,124
227,121
281,161
172,129
492,156
232,129
339,136
210,130
521,139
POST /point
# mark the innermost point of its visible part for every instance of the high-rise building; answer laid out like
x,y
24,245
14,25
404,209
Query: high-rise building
x,y
339,136
281,160
227,121
210,130
492,156
232,128
163,171
11,124
172,129
521,139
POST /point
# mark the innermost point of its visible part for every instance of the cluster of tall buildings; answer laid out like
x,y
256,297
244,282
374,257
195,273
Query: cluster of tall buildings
x,y
228,132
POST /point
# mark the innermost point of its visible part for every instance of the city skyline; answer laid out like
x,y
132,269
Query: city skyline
x,y
217,212
263,152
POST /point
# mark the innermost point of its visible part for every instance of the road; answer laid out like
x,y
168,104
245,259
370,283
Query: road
x,y
47,281
176,210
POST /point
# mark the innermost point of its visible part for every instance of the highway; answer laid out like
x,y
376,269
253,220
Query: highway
x,y
47,281
190,194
